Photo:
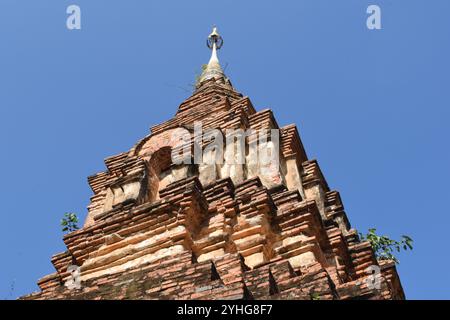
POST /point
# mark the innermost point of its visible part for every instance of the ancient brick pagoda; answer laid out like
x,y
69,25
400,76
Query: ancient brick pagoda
x,y
156,229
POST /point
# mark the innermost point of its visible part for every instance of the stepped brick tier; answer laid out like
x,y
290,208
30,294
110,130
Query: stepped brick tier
x,y
160,230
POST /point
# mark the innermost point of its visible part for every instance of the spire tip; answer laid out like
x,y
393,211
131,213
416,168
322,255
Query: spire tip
x,y
214,38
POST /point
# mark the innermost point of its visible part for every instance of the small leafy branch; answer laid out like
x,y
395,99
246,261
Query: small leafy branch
x,y
70,222
384,247
315,296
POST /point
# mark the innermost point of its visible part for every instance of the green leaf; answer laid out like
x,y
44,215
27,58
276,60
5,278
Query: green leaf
x,y
383,246
69,222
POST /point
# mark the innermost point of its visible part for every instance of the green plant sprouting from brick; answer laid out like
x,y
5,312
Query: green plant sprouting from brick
x,y
384,247
69,222
315,296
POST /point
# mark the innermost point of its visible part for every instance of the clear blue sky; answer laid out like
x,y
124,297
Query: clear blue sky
x,y
371,106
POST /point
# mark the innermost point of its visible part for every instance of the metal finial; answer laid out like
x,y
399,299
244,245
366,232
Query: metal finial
x,y
213,70
214,39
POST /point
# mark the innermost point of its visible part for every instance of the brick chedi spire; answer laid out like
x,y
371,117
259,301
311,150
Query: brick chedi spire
x,y
165,226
